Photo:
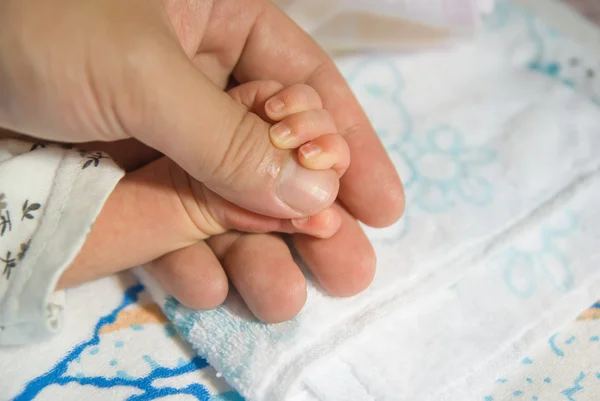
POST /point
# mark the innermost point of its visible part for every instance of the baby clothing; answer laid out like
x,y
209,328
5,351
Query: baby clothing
x,y
49,198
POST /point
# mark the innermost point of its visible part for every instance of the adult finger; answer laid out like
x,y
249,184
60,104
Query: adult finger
x,y
192,275
371,188
220,143
343,264
263,271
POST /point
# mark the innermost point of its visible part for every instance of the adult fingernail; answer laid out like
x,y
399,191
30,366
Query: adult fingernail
x,y
306,191
274,105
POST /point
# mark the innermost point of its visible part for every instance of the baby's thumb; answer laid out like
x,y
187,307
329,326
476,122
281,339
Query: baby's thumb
x,y
220,143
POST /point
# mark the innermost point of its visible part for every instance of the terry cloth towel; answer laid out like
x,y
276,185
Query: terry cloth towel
x,y
498,143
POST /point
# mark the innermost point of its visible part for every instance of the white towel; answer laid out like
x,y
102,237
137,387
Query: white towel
x,y
348,25
462,14
498,142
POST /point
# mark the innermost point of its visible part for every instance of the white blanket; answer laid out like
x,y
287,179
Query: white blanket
x,y
498,142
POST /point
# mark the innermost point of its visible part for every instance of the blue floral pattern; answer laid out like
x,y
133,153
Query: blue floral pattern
x,y
524,267
438,166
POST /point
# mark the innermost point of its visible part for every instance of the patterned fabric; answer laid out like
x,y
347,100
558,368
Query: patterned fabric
x,y
49,197
116,344
121,347
491,215
566,367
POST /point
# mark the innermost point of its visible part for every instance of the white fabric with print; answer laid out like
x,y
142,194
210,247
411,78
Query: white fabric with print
x,y
497,141
49,198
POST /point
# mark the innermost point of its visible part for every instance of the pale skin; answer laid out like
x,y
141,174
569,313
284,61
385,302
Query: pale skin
x,y
159,209
157,74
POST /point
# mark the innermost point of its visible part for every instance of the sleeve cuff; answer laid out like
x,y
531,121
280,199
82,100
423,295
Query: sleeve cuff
x,y
30,309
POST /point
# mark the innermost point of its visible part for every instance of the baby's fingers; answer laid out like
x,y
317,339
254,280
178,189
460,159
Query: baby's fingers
x,y
300,128
292,100
321,225
325,152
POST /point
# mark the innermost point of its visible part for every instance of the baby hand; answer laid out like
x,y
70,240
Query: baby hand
x,y
300,122
160,208
162,191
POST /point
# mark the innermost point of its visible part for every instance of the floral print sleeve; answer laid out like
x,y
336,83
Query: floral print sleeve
x,y
49,198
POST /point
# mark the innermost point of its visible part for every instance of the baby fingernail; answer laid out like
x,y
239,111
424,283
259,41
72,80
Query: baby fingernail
x,y
279,132
309,150
274,105
301,222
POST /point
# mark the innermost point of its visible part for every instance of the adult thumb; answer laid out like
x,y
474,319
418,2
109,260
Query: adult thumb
x,y
220,143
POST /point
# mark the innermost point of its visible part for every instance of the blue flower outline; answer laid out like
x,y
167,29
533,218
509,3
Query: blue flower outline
x,y
515,260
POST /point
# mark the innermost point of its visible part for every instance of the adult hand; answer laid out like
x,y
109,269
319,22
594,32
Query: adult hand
x,y
252,40
275,48
74,71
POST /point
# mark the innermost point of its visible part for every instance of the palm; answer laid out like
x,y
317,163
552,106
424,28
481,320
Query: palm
x,y
253,40
213,35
